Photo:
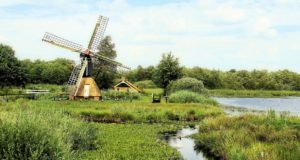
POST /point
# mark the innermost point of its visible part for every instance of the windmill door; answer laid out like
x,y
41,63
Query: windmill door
x,y
86,91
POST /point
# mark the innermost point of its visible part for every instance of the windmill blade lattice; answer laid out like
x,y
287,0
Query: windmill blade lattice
x,y
61,42
118,64
98,33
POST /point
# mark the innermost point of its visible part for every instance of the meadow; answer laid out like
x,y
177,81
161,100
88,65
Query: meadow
x,y
111,129
123,128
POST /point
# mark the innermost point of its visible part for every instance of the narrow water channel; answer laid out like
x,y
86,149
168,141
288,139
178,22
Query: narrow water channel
x,y
184,144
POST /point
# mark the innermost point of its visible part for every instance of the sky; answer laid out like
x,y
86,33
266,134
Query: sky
x,y
214,34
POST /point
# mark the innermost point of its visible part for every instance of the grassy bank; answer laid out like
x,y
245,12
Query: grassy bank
x,y
252,93
267,137
127,130
33,133
129,112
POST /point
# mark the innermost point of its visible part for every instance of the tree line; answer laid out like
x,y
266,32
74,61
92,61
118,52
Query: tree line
x,y
232,79
16,72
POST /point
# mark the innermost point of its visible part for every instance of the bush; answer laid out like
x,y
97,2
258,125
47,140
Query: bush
x,y
145,84
190,97
250,137
172,116
27,134
118,95
30,139
189,84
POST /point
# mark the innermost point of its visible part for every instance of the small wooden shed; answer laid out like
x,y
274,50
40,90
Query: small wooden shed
x,y
126,86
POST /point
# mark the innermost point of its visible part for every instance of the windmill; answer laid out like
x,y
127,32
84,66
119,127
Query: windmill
x,y
81,84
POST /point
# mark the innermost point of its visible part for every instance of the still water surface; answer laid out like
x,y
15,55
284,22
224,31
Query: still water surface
x,y
184,144
287,104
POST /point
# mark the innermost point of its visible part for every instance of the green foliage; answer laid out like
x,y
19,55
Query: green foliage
x,y
52,72
190,97
118,95
252,80
188,84
211,78
145,84
252,93
167,70
126,111
140,74
12,73
105,72
28,133
133,141
251,137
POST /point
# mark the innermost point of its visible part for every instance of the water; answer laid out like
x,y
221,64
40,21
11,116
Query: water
x,y
288,104
184,144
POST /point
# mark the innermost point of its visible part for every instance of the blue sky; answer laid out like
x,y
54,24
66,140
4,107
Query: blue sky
x,y
219,34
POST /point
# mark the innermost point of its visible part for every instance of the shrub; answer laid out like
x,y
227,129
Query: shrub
x,y
189,84
29,138
250,137
190,97
118,95
28,134
172,116
145,84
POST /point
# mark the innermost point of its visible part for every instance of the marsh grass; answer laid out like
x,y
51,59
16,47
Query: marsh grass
x,y
129,112
252,93
116,95
133,141
184,96
31,133
251,137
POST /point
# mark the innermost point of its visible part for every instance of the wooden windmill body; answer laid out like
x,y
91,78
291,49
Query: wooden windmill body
x,y
81,84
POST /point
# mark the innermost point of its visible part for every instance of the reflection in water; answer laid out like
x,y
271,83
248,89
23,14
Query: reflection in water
x,y
184,144
289,104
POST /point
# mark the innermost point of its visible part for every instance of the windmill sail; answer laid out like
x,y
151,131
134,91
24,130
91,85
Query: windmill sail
x,y
100,57
80,80
83,68
98,33
61,42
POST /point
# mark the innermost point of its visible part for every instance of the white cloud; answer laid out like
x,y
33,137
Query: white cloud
x,y
208,33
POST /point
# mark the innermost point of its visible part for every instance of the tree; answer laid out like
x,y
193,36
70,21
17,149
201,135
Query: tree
x,y
210,78
104,72
140,74
57,71
167,70
11,69
52,72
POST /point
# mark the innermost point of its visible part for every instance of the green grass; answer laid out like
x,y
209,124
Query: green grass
x,y
185,96
149,91
268,137
252,93
133,134
130,112
131,130
33,133
131,142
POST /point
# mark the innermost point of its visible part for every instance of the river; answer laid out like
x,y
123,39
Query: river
x,y
285,104
185,144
